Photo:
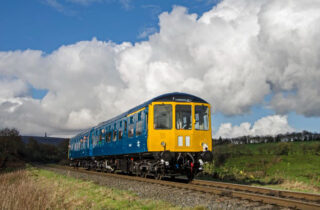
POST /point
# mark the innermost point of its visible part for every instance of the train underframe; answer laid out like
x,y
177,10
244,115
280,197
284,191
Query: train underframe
x,y
156,164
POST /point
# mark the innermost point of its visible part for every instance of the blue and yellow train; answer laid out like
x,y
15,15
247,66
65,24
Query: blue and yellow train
x,y
169,135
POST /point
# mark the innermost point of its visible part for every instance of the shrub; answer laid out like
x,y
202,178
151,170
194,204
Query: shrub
x,y
282,149
220,158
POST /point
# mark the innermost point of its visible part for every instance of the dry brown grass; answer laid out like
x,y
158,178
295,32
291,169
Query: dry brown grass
x,y
41,189
19,191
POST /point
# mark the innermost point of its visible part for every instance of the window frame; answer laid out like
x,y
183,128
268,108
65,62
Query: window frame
x,y
191,115
163,104
140,122
208,114
114,133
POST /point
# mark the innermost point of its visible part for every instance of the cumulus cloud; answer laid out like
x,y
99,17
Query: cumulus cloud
x,y
146,32
233,56
270,125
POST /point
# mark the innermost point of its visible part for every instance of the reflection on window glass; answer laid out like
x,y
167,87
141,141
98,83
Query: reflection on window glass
x,y
163,116
114,135
139,128
202,118
109,136
120,132
183,117
139,124
131,127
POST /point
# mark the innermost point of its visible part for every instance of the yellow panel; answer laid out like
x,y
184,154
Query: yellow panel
x,y
170,137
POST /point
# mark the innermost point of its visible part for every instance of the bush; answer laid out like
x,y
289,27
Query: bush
x,y
220,158
283,149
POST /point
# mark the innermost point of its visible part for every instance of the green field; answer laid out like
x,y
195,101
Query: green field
x,y
292,165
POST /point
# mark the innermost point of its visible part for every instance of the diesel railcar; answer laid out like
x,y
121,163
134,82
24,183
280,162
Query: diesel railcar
x,y
169,135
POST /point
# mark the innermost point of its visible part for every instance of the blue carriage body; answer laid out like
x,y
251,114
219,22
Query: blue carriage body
x,y
104,139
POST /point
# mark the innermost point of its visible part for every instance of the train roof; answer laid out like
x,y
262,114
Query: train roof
x,y
176,96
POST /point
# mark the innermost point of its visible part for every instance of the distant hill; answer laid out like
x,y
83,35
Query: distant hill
x,y
44,140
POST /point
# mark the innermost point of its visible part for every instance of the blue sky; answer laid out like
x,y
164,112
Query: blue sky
x,y
46,25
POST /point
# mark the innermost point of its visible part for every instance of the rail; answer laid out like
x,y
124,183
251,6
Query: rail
x,y
289,199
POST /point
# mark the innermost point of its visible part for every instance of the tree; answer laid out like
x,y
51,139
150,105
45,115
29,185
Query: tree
x,y
10,145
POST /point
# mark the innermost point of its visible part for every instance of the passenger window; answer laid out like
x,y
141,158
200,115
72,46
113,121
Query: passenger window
x,y
109,137
139,125
131,120
120,133
114,135
131,127
100,136
115,132
163,116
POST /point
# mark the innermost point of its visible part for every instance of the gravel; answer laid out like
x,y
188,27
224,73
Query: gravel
x,y
175,196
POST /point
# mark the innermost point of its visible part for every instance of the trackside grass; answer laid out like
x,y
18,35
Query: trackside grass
x,y
291,166
41,189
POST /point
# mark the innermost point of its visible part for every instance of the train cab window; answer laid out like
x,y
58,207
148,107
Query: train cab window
x,y
131,127
183,117
201,118
139,125
162,116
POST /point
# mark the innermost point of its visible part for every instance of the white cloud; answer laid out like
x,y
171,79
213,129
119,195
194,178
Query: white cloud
x,y
233,56
270,125
59,7
146,32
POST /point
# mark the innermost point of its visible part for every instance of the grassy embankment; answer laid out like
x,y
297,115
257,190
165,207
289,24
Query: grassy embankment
x,y
292,165
41,189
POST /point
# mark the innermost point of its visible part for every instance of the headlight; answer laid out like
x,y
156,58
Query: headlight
x,y
204,146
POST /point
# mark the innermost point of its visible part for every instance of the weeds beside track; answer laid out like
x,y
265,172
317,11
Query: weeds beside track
x,y
276,197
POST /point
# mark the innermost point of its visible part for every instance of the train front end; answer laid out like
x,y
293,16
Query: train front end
x,y
179,133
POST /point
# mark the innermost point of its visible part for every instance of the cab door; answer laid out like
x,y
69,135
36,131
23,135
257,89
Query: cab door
x,y
183,116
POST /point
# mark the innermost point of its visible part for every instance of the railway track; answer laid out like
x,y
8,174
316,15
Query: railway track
x,y
289,199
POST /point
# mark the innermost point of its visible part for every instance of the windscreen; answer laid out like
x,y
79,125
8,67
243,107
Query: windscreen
x,y
201,118
183,117
162,116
